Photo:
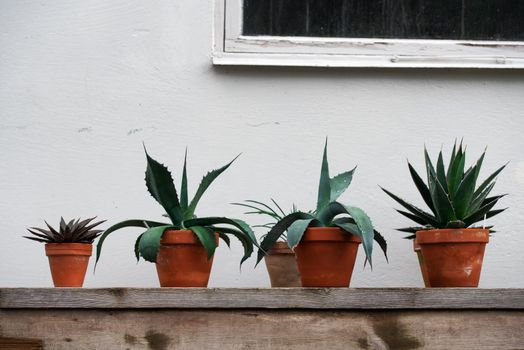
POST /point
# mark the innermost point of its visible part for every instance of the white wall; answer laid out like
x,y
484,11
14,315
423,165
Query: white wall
x,y
83,83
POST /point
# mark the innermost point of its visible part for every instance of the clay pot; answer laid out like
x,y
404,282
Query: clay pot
x,y
422,264
68,262
282,266
453,257
182,260
326,257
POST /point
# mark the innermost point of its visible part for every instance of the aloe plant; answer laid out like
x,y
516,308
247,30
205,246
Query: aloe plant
x,y
328,213
451,194
181,212
74,231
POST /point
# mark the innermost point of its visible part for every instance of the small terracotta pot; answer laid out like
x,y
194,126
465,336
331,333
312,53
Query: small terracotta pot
x,y
453,257
422,264
282,266
182,260
68,263
326,257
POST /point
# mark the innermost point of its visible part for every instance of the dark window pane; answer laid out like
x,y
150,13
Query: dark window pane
x,y
402,19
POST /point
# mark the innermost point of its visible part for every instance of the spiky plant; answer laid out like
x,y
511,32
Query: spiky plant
x,y
181,211
75,231
328,213
451,194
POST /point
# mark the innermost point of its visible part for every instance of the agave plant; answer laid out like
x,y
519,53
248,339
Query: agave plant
x,y
75,231
328,213
181,212
451,194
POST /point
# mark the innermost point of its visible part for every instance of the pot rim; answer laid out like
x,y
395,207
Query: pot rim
x,y
69,249
328,234
173,237
453,235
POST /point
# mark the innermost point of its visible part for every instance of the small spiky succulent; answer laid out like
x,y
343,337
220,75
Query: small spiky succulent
x,y
451,194
75,231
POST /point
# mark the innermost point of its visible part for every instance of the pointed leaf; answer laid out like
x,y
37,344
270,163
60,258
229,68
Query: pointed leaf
x,y
150,242
422,187
455,172
366,227
443,205
207,237
413,217
488,181
441,174
340,183
431,220
183,186
137,252
239,224
324,185
207,180
296,230
477,201
488,204
464,193
246,243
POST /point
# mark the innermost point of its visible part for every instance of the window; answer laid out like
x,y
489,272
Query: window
x,y
371,33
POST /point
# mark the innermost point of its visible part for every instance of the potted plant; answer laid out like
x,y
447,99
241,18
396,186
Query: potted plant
x,y
451,248
280,259
183,250
326,240
68,249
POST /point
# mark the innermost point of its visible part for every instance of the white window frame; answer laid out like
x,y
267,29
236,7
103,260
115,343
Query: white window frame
x,y
230,47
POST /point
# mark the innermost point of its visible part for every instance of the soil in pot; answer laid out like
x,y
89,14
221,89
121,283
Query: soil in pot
x,y
422,264
326,257
282,266
68,263
453,257
182,260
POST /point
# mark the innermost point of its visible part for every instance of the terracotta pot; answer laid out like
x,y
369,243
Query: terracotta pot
x,y
182,260
282,266
68,263
326,257
422,264
453,257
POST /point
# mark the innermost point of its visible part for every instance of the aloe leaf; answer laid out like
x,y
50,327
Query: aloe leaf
x,y
443,205
150,242
366,227
340,183
160,185
296,230
431,220
206,236
324,185
278,230
422,187
183,186
39,239
239,224
207,180
464,193
244,240
488,180
118,226
137,251
441,175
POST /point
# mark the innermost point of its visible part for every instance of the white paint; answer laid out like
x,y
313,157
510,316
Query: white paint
x,y
83,83
233,48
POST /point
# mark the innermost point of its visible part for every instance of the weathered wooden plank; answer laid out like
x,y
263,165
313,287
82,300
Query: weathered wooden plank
x,y
291,298
266,329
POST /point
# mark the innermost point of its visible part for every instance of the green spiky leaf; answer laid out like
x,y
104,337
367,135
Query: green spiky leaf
x,y
324,185
207,237
150,242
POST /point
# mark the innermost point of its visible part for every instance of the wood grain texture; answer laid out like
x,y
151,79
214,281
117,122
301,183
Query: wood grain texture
x,y
274,298
266,329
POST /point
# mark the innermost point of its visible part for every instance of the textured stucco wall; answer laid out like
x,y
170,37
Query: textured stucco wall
x,y
83,83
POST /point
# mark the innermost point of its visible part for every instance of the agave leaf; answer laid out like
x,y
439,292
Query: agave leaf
x,y
296,230
246,243
265,206
150,242
257,210
328,213
431,220
183,186
340,183
278,230
55,233
206,236
207,180
478,200
410,216
430,170
123,224
63,225
160,185
366,227
42,231
137,252
223,237
478,215
278,206
443,205
324,185
464,193
451,159
488,181
422,187
38,239
409,229
239,224
455,172
492,213
441,174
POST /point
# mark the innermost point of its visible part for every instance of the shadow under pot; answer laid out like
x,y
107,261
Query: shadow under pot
x,y
182,260
281,266
68,263
453,257
326,257
422,264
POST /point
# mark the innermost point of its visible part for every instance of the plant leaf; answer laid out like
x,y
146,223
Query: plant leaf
x,y
441,174
381,241
487,205
464,193
183,187
239,224
340,183
456,172
160,185
150,242
488,180
431,220
207,237
413,217
296,230
422,187
366,227
137,252
246,243
207,180
328,213
324,185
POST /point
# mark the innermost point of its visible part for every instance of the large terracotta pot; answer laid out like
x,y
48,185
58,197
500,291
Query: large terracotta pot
x,y
182,260
282,266
453,257
68,263
326,257
422,264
